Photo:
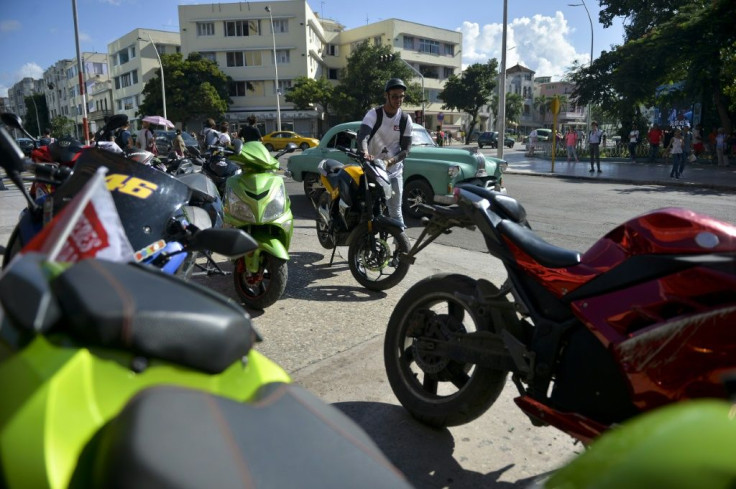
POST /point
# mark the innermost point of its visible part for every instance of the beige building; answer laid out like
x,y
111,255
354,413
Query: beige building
x,y
134,59
64,97
239,38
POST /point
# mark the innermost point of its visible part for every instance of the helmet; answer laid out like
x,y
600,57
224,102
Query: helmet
x,y
395,83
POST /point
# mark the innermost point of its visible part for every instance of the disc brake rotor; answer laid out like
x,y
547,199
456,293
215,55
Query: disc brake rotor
x,y
375,254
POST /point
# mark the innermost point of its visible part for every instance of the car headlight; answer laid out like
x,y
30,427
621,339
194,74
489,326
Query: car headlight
x,y
275,208
237,208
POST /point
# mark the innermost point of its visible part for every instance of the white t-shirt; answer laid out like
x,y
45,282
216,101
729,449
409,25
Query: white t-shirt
x,y
224,139
386,141
634,136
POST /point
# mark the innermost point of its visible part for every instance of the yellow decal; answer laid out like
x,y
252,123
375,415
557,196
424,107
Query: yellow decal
x,y
132,186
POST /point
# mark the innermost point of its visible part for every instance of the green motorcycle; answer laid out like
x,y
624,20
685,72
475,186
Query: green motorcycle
x,y
256,201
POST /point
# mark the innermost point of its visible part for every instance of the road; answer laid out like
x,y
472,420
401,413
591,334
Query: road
x,y
327,331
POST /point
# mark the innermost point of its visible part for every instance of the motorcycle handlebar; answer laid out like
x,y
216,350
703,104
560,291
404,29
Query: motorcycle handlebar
x,y
49,173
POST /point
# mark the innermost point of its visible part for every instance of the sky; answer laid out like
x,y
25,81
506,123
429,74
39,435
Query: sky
x,y
546,36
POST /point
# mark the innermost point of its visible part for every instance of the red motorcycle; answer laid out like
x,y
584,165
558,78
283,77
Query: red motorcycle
x,y
62,152
646,317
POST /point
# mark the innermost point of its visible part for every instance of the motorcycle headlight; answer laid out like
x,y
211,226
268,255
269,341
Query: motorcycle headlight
x,y
237,208
275,208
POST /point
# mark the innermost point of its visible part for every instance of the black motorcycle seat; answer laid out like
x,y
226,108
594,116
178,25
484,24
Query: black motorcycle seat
x,y
331,166
142,310
504,205
544,253
175,437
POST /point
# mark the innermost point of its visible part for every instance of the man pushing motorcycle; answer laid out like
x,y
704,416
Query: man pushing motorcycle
x,y
385,133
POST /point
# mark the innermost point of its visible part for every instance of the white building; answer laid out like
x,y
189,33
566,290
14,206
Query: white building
x,y
239,38
134,60
17,100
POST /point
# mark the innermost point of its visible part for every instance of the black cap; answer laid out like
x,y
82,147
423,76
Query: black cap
x,y
395,83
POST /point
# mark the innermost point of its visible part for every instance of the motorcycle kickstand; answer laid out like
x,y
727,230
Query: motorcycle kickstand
x,y
211,268
332,258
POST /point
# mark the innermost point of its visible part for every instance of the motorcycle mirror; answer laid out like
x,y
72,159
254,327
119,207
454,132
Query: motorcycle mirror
x,y
228,242
12,161
291,147
12,120
238,145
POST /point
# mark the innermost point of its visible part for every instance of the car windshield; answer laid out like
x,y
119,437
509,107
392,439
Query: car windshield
x,y
170,135
420,137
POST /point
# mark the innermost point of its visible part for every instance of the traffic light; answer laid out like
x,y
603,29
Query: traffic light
x,y
387,57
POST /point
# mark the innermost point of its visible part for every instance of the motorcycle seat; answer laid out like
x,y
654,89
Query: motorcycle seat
x,y
506,206
330,167
154,315
544,253
170,436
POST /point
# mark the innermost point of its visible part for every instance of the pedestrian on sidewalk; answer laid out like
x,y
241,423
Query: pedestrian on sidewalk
x,y
675,150
654,136
687,147
594,140
633,142
571,140
720,144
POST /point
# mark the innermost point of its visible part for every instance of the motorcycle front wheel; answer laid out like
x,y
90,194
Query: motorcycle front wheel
x,y
374,257
261,289
436,390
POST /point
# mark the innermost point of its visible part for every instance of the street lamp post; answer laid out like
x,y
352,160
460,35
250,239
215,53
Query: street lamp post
x,y
276,68
35,107
163,83
591,41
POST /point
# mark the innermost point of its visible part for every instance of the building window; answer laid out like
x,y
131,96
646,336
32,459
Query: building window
x,y
448,72
377,41
240,28
126,79
210,55
238,89
235,59
284,86
205,28
333,74
332,50
282,56
408,42
449,49
429,46
253,58
280,25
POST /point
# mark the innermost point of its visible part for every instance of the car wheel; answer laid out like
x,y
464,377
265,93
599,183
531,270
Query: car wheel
x,y
303,146
416,192
480,146
269,146
510,145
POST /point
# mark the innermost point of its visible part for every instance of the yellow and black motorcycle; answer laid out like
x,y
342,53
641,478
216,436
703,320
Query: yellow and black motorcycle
x,y
352,212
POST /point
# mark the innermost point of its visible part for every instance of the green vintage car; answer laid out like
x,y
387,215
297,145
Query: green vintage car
x,y
430,172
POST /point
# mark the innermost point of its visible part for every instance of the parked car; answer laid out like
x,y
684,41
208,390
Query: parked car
x,y
165,140
26,145
430,172
543,134
279,139
491,139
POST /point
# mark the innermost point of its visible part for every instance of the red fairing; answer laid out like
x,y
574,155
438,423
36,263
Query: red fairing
x,y
664,231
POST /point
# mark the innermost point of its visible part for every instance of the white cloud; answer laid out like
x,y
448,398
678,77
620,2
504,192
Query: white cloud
x,y
9,25
539,43
7,80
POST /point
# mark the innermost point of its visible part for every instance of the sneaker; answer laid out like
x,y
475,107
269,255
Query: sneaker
x,y
591,170
599,170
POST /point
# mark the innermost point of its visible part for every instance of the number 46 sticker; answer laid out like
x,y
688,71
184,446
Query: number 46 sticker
x,y
132,186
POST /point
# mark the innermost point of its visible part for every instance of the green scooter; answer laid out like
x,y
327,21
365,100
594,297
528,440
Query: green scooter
x,y
256,201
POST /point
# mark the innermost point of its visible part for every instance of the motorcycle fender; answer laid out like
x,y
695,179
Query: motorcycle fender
x,y
266,244
389,223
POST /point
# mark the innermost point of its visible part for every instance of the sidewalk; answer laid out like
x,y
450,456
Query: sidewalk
x,y
696,175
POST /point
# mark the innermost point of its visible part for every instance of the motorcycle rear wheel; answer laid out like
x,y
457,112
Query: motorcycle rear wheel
x,y
436,390
374,258
262,289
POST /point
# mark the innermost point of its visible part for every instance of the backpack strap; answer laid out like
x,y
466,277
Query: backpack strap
x,y
379,120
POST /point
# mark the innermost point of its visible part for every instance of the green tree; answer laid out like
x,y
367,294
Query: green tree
x,y
666,42
33,126
307,92
514,104
62,126
541,103
470,90
196,88
363,81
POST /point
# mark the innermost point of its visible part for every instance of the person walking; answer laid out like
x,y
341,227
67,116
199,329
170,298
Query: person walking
x,y
571,140
687,147
250,132
124,139
179,146
224,138
146,139
675,150
594,141
385,133
654,136
633,142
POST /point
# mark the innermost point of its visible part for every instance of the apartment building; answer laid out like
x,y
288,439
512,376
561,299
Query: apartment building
x,y
238,37
571,114
431,52
135,59
61,88
17,98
